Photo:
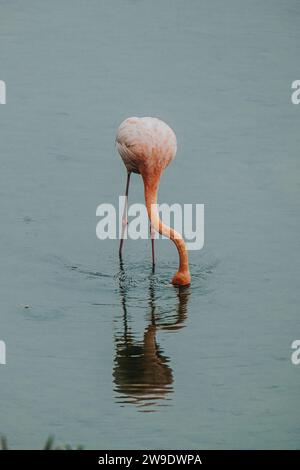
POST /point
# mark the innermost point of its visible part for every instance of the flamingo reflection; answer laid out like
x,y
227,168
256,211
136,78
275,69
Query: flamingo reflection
x,y
142,374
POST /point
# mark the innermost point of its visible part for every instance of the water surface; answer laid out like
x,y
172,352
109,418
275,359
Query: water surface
x,y
110,355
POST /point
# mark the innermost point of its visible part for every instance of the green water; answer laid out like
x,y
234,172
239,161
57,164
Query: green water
x,y
109,355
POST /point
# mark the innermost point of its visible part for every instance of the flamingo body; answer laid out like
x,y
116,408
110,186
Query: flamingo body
x,y
147,145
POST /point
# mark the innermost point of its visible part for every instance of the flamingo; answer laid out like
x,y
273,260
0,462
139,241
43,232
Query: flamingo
x,y
147,145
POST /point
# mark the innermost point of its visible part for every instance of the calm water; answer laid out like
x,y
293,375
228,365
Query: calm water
x,y
109,355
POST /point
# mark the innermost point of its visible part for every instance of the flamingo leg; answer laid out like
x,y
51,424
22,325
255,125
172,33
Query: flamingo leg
x,y
152,235
124,218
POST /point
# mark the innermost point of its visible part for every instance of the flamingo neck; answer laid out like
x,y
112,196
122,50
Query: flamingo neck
x,y
151,184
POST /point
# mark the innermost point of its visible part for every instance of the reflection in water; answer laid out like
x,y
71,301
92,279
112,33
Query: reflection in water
x,y
141,373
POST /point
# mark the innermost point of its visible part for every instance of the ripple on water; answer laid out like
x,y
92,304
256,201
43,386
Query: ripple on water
x,y
142,372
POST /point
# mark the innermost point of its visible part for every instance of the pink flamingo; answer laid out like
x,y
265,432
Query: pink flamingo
x,y
147,145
